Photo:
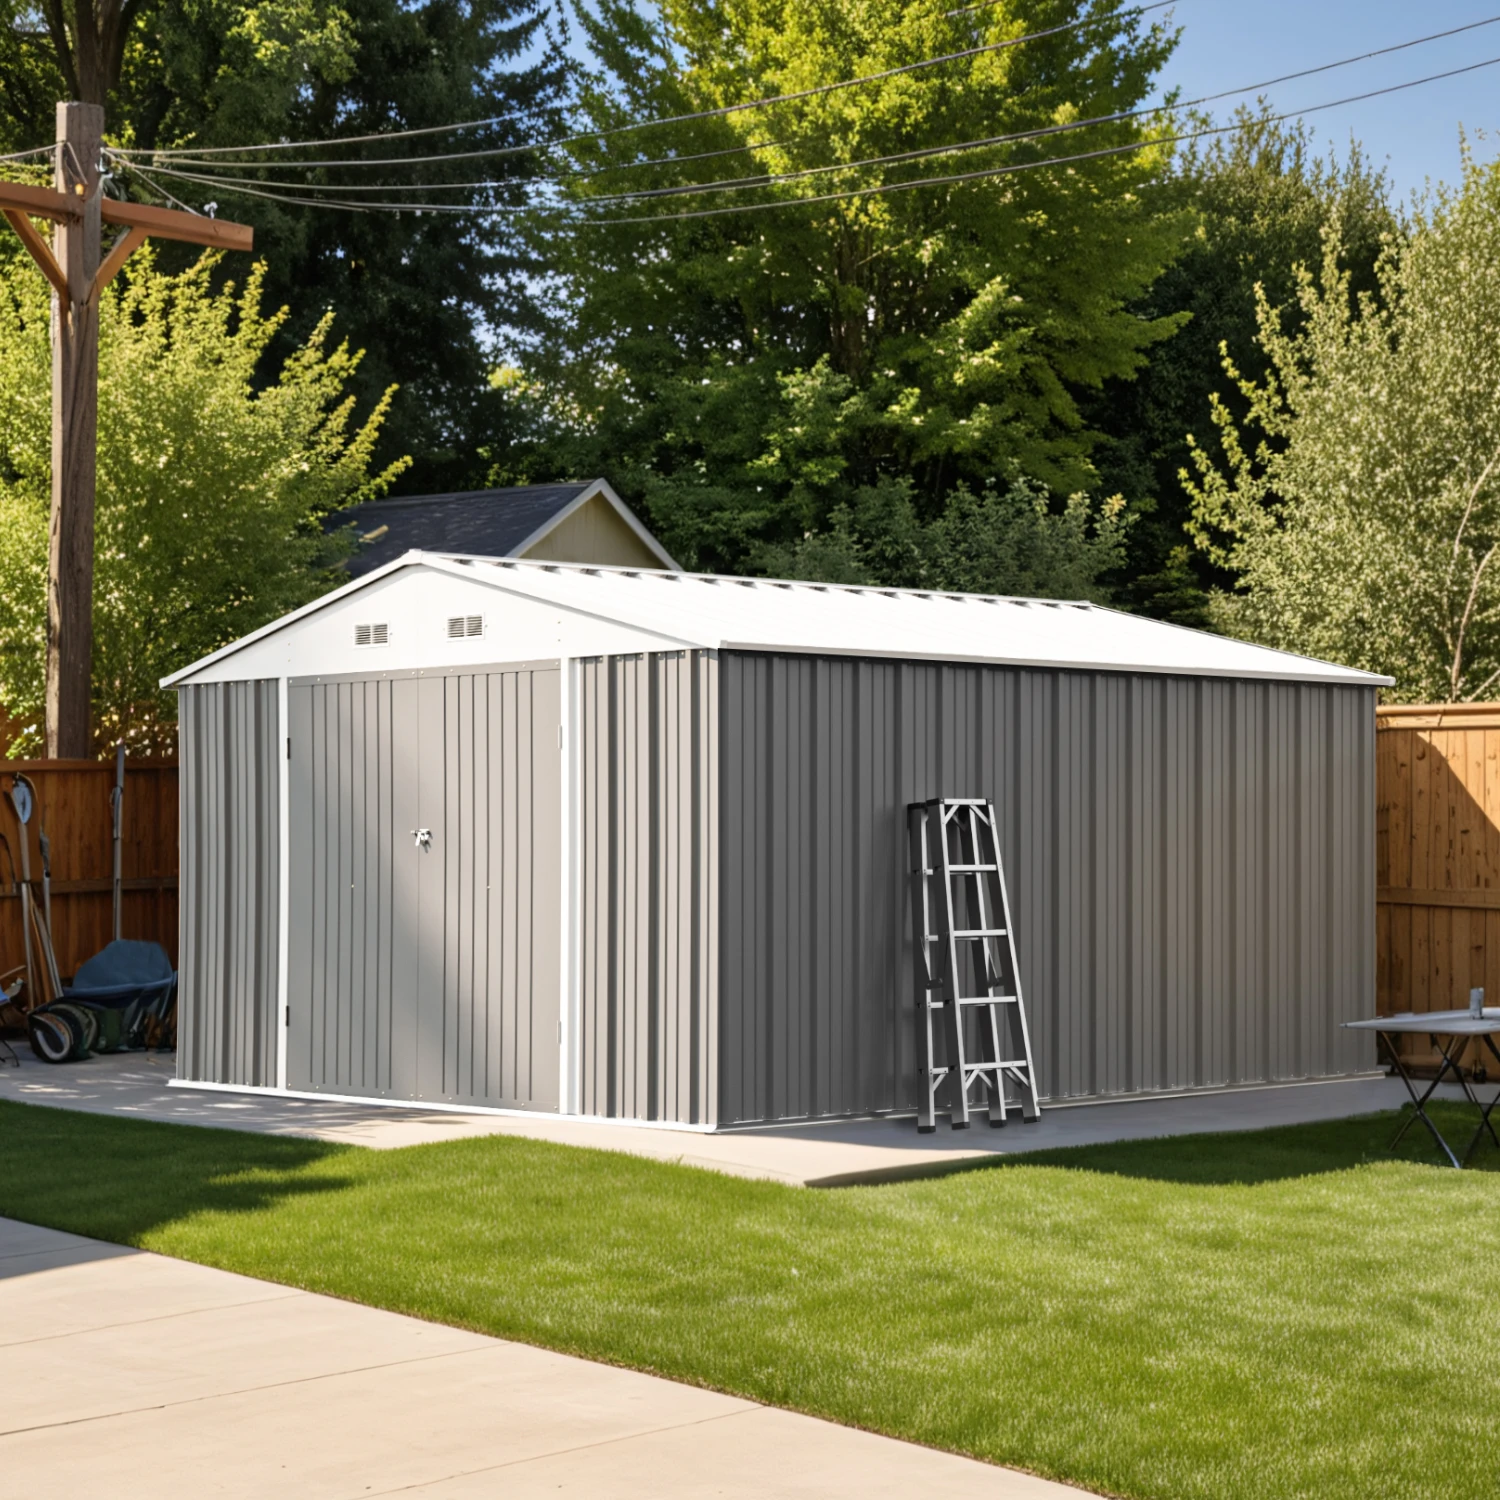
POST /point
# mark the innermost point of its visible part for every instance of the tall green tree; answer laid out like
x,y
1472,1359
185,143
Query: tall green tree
x,y
215,473
1357,503
1263,200
420,292
746,377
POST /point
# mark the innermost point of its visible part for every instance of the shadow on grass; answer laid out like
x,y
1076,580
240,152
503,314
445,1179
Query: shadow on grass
x,y
118,1179
1249,1157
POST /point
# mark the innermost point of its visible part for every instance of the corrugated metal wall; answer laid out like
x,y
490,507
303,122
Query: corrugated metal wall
x,y
427,972
648,820
230,827
1191,865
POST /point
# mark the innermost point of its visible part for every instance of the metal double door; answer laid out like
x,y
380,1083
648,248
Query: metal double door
x,y
424,921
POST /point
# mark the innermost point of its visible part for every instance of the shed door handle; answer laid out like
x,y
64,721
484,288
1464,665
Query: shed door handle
x,y
423,837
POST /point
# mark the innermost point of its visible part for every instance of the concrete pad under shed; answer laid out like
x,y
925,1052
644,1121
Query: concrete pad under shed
x,y
162,1380
824,1154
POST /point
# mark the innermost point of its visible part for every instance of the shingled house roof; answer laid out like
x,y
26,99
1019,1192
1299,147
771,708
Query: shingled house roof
x,y
511,522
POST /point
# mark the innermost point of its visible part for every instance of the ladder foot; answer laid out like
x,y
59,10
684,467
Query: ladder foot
x,y
926,1129
960,1124
1030,1119
997,1124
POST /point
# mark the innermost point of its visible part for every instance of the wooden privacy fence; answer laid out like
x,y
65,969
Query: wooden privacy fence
x,y
1437,856
73,809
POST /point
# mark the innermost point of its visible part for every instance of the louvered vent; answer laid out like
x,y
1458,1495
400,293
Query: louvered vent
x,y
461,626
377,633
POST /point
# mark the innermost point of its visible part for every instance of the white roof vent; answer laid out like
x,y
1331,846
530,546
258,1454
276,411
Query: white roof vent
x,y
460,627
375,634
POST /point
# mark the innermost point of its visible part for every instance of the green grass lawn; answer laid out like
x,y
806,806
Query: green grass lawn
x,y
1289,1313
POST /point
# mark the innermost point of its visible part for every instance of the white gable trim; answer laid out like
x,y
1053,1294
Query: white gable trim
x,y
490,576
599,488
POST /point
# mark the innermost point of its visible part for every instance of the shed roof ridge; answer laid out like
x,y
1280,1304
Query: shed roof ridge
x,y
890,591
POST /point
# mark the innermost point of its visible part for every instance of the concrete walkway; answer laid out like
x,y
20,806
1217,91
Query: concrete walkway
x,y
137,1377
831,1154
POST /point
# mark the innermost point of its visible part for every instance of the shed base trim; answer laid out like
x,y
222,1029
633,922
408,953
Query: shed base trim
x,y
1048,1105
443,1106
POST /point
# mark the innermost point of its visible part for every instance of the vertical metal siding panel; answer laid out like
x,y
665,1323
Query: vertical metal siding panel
x,y
649,774
499,986
520,792
484,753
363,762
188,917
594,855
459,815
545,913
387,841
634,892
1105,759
268,913
708,892
229,833
213,833
301,915
212,868
1281,810
1255,943
511,787
233,824
406,915
447,835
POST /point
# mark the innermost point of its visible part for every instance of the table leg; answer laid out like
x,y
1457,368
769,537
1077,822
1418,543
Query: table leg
x,y
1486,1110
1421,1103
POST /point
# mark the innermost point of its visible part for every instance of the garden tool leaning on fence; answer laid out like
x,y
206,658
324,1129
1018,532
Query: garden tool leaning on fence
x,y
43,982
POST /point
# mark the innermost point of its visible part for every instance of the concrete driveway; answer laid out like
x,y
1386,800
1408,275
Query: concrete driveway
x,y
135,1377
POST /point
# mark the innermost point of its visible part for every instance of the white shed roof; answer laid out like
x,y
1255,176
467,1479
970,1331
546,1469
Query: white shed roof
x,y
702,610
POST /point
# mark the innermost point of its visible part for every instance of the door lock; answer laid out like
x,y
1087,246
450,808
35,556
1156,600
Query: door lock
x,y
423,837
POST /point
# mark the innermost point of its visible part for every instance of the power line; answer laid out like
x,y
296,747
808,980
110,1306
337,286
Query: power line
x,y
1056,161
850,194
706,114
415,161
772,179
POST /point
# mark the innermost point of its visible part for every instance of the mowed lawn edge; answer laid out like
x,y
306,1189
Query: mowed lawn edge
x,y
1279,1313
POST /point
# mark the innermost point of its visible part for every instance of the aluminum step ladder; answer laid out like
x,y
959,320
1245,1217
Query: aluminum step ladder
x,y
966,966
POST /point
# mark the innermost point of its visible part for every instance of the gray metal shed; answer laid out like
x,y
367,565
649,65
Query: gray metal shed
x,y
631,845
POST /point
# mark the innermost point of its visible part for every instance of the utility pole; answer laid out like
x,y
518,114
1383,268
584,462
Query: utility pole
x,y
73,265
75,426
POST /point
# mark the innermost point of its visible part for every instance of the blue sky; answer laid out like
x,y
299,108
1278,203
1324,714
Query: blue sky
x,y
1229,43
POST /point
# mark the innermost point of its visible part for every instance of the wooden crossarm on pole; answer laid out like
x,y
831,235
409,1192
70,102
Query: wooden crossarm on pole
x,y
163,223
39,202
171,224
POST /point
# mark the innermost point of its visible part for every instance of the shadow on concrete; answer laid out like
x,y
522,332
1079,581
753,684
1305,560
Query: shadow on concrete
x,y
118,1179
1251,1157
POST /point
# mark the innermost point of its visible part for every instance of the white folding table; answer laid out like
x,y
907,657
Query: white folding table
x,y
1449,1031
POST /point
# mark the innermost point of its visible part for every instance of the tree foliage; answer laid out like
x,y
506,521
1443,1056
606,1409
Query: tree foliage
x,y
757,379
1357,503
213,477
1263,201
420,292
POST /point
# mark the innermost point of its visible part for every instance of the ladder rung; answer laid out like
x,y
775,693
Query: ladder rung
x,y
983,1067
972,869
978,932
986,999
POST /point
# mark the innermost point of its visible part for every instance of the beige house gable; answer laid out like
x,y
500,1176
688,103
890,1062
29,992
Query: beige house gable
x,y
593,533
